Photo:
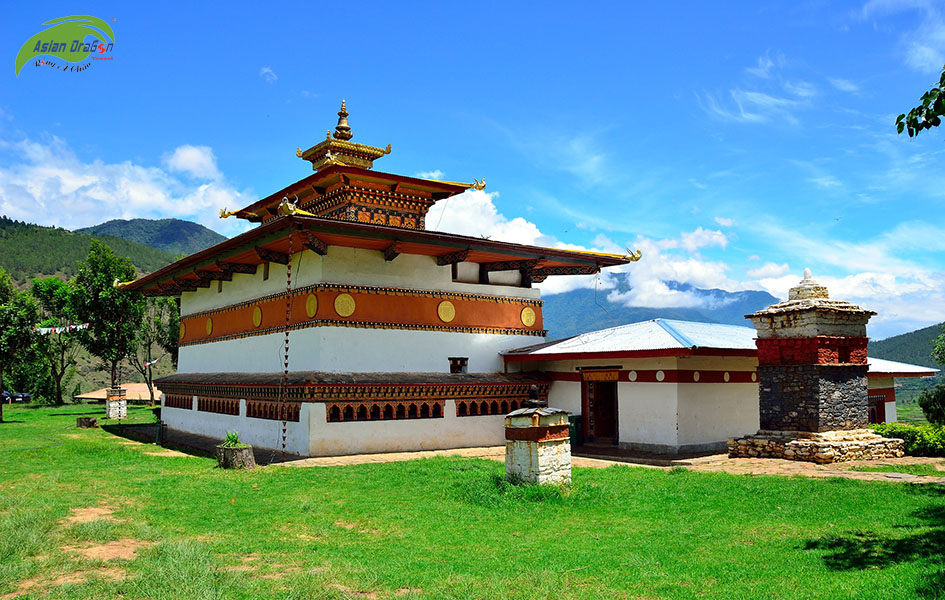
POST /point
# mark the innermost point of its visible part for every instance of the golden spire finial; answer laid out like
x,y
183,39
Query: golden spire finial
x,y
342,130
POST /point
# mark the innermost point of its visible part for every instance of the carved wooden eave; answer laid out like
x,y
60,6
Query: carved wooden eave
x,y
270,243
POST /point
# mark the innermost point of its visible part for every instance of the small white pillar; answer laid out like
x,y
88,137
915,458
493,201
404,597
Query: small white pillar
x,y
538,446
116,407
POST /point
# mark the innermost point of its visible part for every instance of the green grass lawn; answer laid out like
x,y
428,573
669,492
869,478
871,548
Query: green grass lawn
x,y
443,528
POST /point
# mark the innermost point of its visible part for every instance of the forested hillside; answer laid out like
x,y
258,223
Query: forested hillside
x,y
170,235
913,347
28,251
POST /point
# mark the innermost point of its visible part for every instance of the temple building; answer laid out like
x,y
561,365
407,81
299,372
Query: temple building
x,y
340,324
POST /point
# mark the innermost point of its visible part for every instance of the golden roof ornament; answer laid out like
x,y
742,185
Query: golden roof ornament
x,y
342,129
337,150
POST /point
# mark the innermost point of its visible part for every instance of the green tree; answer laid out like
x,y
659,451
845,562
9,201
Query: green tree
x,y
58,349
932,401
160,314
928,113
18,316
113,315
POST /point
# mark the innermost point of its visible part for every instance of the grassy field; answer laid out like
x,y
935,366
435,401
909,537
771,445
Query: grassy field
x,y
438,528
910,413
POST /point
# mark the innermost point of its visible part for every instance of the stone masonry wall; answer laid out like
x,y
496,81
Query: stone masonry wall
x,y
812,397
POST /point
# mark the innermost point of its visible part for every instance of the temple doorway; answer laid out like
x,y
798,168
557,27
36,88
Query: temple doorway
x,y
599,406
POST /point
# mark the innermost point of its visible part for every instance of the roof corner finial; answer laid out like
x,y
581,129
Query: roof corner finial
x,y
343,130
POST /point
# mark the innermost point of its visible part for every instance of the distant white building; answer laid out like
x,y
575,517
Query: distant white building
x,y
671,386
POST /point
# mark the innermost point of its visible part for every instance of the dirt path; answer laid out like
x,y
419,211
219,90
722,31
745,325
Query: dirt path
x,y
716,463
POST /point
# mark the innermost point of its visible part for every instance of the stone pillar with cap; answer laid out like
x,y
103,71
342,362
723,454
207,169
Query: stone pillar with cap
x,y
116,406
812,392
538,446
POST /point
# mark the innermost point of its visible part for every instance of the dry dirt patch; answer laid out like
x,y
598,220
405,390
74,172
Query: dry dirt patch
x,y
166,452
354,526
245,563
37,583
91,513
124,549
372,595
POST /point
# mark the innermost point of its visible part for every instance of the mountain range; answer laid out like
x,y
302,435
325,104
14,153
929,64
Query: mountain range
x,y
170,235
582,310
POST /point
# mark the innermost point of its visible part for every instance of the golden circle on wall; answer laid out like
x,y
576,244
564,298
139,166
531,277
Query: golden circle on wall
x,y
209,325
660,376
726,377
257,316
311,305
528,316
632,376
183,331
446,311
754,377
344,305
695,376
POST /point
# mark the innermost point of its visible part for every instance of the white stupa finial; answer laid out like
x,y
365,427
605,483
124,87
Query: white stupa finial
x,y
807,274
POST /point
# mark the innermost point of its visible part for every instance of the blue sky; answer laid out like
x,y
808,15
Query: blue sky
x,y
734,143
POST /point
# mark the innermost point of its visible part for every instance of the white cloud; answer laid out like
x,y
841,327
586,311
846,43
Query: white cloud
x,y
768,270
268,75
749,106
802,89
725,221
844,85
308,94
473,213
434,174
764,65
826,181
46,183
700,238
922,48
198,161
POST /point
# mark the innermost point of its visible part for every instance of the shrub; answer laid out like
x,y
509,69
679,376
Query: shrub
x,y
932,401
232,440
920,440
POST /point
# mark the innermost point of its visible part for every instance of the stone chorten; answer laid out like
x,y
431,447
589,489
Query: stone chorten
x,y
812,392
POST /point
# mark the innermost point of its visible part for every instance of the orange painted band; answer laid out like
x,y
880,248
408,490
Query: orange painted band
x,y
372,308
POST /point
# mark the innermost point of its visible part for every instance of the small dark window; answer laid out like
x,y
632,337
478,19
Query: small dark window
x,y
265,271
459,364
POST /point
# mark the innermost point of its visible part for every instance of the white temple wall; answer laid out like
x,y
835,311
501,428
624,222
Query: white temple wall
x,y
565,395
261,433
647,416
407,435
710,413
349,349
352,266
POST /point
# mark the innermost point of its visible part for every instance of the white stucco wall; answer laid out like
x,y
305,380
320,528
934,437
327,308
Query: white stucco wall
x,y
646,416
710,413
313,435
344,349
261,433
565,395
351,266
360,437
891,416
